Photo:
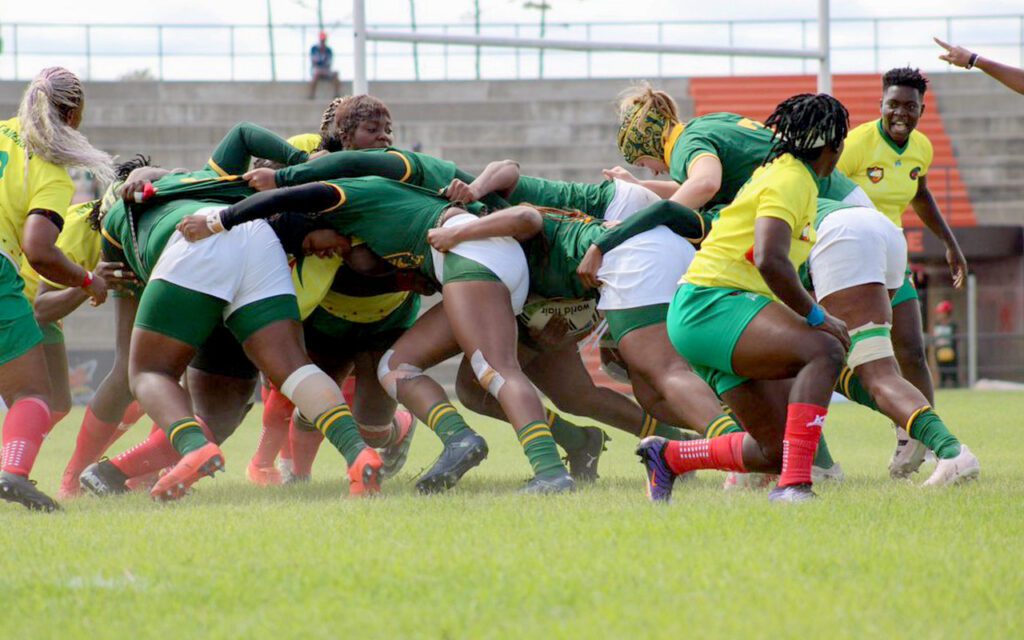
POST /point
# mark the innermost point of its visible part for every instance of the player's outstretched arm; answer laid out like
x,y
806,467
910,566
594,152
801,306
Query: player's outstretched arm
x,y
1012,77
519,222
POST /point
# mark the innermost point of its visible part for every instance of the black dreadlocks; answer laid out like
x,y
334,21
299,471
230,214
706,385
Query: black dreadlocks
x,y
121,172
802,123
905,77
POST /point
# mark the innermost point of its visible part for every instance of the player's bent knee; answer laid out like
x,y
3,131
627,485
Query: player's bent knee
x,y
389,378
488,376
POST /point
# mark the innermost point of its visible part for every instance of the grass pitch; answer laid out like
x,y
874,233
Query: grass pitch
x,y
871,558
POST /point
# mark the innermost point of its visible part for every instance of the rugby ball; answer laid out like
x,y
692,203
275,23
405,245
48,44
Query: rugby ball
x,y
581,314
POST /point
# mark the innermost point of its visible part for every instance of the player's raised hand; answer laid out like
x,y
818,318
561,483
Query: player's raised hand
x,y
619,173
459,191
954,55
261,179
194,228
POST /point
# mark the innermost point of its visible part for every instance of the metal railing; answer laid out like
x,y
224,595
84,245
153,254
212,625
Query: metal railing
x,y
109,51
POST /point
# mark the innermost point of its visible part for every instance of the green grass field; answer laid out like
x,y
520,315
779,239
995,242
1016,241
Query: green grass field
x,y
871,558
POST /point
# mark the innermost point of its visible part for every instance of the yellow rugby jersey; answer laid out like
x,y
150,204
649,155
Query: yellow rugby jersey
x,y
307,142
886,172
47,187
786,189
314,290
79,242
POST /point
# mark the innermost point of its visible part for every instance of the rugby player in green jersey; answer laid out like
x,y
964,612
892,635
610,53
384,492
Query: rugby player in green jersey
x,y
484,285
642,261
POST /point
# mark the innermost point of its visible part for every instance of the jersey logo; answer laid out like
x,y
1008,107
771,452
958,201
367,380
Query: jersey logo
x,y
875,174
405,260
915,172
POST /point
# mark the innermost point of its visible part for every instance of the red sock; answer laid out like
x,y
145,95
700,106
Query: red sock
x,y
277,410
348,390
724,453
152,454
93,438
803,431
132,414
27,423
305,444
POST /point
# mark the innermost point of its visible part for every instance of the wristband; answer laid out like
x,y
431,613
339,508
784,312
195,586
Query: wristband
x,y
971,61
213,222
88,280
816,316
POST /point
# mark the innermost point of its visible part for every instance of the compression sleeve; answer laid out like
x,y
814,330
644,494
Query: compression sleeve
x,y
316,197
344,164
245,141
682,220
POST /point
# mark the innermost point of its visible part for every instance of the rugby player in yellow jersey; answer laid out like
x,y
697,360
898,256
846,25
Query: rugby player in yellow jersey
x,y
743,320
890,159
36,147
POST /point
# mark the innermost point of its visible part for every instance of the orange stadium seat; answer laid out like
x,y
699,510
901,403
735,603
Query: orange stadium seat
x,y
757,96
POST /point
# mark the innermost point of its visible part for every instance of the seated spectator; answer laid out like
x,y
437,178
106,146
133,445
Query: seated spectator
x,y
322,59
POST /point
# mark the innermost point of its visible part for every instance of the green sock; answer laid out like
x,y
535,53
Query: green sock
x,y
926,426
849,385
566,434
444,420
722,425
186,436
822,457
540,449
340,428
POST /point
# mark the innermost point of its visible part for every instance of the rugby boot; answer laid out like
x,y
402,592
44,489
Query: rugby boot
x,y
364,474
752,481
204,461
831,474
660,478
908,456
963,468
103,479
262,476
793,493
395,454
560,483
462,452
19,489
583,461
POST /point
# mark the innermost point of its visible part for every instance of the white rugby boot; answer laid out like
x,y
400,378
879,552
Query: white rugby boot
x,y
908,457
963,468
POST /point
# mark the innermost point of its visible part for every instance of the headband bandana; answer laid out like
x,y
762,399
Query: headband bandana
x,y
642,138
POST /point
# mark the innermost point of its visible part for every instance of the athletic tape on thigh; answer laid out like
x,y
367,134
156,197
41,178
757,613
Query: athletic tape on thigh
x,y
389,377
296,378
489,378
868,343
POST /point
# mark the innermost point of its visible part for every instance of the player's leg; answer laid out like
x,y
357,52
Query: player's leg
x,y
483,322
401,374
57,366
867,311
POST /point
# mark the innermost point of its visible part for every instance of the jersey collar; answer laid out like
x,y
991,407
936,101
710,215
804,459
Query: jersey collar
x,y
671,139
889,141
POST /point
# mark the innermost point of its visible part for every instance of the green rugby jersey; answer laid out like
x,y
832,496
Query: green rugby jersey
x,y
739,143
140,247
591,199
391,217
410,167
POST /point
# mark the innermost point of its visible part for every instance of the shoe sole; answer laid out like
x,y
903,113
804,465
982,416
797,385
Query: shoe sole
x,y
444,481
11,493
178,490
369,484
